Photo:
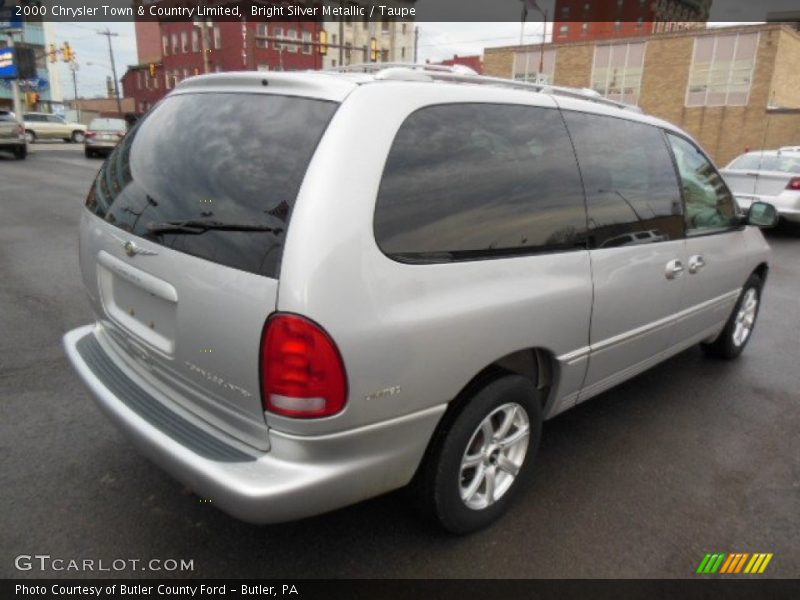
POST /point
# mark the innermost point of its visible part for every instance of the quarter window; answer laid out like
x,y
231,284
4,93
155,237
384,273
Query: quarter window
x,y
631,187
709,203
471,181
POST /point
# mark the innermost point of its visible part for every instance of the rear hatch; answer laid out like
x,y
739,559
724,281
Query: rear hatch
x,y
182,240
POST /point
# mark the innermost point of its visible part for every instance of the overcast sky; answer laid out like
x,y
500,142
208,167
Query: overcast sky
x,y
437,41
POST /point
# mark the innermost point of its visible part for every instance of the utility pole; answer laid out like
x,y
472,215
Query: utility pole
x,y
73,66
14,82
109,34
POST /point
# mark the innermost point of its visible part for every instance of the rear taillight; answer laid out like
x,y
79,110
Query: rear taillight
x,y
90,134
794,184
21,131
302,373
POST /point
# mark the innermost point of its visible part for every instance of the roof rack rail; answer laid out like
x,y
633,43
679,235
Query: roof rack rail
x,y
463,74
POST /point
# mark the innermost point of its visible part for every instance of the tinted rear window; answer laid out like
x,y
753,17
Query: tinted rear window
x,y
221,157
474,181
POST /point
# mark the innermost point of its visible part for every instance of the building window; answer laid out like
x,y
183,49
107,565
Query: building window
x,y
722,70
617,71
384,26
217,38
620,3
261,34
292,35
617,25
185,73
174,43
639,23
195,40
333,63
587,6
306,42
403,52
563,30
277,33
165,45
585,28
526,66
184,42
404,28
138,80
384,55
565,11
155,81
263,67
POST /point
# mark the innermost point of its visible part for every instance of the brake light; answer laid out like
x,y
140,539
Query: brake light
x,y
302,373
90,134
794,184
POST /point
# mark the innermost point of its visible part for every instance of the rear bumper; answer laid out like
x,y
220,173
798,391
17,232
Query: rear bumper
x,y
95,145
300,476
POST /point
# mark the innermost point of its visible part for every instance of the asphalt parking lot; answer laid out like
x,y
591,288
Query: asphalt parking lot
x,y
693,456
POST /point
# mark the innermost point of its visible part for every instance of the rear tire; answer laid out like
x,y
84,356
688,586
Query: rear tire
x,y
30,137
20,153
739,328
88,153
482,456
77,137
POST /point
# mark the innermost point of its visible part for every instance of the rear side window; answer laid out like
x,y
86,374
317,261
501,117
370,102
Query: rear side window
x,y
229,158
472,181
631,185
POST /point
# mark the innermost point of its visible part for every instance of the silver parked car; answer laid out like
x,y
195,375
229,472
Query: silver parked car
x,y
103,136
12,135
769,176
45,126
345,283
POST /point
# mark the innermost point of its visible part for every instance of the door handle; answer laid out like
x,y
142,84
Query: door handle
x,y
674,269
696,263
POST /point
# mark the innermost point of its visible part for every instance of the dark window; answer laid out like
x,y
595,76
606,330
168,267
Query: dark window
x,y
466,181
631,184
245,166
709,203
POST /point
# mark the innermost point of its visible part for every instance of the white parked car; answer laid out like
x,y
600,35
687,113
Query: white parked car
x,y
771,176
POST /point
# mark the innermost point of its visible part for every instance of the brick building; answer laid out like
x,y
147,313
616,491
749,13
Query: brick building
x,y
585,20
732,88
228,46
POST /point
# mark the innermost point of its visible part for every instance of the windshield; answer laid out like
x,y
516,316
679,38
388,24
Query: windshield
x,y
107,125
222,157
768,162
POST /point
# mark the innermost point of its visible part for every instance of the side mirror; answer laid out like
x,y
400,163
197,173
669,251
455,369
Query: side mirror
x,y
762,214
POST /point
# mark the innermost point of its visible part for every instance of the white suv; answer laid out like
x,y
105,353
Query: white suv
x,y
348,282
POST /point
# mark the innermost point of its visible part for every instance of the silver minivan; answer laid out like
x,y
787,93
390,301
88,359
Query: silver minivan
x,y
349,282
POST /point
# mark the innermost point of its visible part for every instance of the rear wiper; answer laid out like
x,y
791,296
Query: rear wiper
x,y
199,226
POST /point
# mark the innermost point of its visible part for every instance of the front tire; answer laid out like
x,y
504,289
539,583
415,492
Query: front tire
x,y
483,455
739,328
30,137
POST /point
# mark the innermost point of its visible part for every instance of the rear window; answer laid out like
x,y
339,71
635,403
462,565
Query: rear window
x,y
767,162
232,158
107,125
4,116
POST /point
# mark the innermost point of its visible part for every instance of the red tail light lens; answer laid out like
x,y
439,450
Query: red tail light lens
x,y
91,134
302,373
21,131
794,184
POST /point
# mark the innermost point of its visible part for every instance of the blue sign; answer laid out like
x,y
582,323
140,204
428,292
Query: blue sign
x,y
8,66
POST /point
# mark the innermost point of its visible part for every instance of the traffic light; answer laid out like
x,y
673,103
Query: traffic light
x,y
67,53
152,67
373,50
323,42
53,53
